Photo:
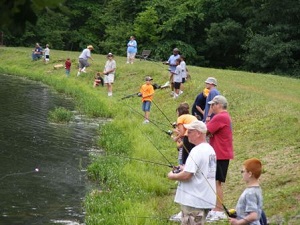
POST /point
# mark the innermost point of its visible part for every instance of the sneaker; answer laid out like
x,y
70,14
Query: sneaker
x,y
109,94
146,121
215,215
176,217
83,71
175,96
180,92
78,74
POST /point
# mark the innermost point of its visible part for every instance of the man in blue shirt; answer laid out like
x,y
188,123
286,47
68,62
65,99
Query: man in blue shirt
x,y
210,84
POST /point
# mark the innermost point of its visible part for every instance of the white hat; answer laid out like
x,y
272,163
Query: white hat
x,y
196,125
211,80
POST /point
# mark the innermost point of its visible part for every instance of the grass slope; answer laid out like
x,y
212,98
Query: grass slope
x,y
266,122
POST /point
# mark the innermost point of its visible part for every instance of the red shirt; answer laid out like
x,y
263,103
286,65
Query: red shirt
x,y
68,65
221,140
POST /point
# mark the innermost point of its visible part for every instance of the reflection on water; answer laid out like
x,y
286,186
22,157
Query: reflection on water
x,y
42,172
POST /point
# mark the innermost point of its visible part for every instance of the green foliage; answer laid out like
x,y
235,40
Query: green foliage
x,y
60,115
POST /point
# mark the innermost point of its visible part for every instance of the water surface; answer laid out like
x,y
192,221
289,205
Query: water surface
x,y
42,172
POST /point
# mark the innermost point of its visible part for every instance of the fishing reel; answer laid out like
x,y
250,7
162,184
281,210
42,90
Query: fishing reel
x,y
176,169
139,94
174,125
169,132
232,213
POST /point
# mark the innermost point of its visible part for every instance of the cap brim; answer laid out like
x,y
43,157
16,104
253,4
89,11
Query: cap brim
x,y
188,126
211,102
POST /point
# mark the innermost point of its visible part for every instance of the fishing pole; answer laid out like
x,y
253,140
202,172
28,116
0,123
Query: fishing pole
x,y
142,160
131,95
169,132
172,124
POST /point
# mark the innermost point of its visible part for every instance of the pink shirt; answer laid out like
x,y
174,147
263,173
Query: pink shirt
x,y
221,140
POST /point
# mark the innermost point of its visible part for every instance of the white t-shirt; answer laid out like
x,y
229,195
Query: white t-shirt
x,y
109,65
47,51
200,190
177,74
183,69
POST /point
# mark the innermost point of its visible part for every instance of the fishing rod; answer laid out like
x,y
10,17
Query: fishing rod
x,y
169,132
172,124
142,160
131,95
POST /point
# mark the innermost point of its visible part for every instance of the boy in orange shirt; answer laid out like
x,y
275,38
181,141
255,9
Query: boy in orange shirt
x,y
147,92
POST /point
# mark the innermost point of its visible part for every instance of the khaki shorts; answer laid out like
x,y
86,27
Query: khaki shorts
x,y
109,79
193,216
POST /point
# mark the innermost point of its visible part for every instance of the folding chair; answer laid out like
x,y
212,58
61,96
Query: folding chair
x,y
145,54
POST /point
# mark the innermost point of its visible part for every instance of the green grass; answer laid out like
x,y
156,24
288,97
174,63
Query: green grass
x,y
266,122
60,115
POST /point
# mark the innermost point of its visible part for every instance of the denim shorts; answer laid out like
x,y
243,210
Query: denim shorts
x,y
146,106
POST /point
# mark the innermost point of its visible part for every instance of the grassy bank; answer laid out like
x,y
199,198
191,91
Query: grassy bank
x,y
266,122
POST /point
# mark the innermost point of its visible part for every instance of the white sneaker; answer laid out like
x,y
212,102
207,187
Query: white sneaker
x,y
175,96
78,74
146,121
215,215
176,217
83,71
180,92
109,94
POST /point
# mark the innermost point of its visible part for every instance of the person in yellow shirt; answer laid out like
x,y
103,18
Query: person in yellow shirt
x,y
147,92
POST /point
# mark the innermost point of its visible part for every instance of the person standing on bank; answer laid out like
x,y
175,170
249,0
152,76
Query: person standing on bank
x,y
83,59
219,131
47,54
131,50
210,84
196,188
172,66
109,73
147,92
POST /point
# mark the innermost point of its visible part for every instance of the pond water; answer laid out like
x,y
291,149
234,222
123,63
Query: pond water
x,y
42,165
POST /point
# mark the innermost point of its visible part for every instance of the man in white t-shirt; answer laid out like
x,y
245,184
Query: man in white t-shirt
x,y
196,191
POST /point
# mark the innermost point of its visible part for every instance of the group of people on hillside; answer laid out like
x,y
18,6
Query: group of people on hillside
x,y
205,152
38,52
205,147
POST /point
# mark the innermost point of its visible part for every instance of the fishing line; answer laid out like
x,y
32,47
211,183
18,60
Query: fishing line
x,y
169,132
22,173
172,124
218,197
142,160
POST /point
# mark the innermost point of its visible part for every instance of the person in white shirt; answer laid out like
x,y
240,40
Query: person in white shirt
x,y
196,191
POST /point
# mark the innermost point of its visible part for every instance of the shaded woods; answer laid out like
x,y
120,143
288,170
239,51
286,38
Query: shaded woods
x,y
257,36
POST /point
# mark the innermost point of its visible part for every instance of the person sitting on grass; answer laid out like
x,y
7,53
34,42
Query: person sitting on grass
x,y
98,80
37,53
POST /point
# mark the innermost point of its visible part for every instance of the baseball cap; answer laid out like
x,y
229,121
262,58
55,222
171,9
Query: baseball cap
x,y
211,80
148,78
219,99
196,125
